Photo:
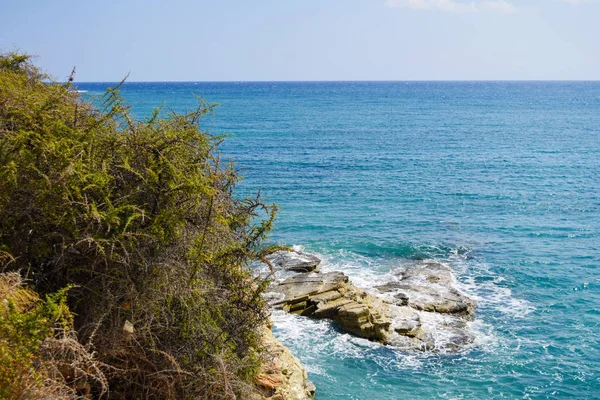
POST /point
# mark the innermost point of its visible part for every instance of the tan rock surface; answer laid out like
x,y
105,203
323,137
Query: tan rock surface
x,y
283,376
331,296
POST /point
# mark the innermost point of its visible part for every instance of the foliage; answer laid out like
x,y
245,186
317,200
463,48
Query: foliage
x,y
141,218
26,322
30,328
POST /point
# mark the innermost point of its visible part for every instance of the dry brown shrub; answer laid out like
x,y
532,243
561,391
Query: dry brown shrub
x,y
41,357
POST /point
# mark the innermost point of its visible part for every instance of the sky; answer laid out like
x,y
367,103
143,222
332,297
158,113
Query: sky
x,y
307,40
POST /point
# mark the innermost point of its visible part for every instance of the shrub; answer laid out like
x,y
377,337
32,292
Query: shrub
x,y
38,356
140,216
25,322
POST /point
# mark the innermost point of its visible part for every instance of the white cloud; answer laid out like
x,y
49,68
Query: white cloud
x,y
577,2
500,6
459,6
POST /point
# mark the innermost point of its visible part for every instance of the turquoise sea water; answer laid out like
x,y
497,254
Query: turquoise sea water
x,y
500,180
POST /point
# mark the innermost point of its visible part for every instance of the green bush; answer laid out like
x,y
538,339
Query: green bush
x,y
25,322
141,218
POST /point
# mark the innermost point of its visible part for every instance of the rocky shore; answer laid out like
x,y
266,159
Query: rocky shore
x,y
283,377
420,308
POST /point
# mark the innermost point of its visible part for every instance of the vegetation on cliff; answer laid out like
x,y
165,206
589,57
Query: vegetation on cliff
x,y
138,220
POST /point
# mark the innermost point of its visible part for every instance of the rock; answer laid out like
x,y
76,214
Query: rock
x,y
282,376
421,309
430,287
128,327
405,321
300,287
458,338
294,261
332,296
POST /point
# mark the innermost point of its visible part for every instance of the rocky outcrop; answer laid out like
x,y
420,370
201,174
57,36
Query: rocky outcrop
x,y
296,261
282,376
427,306
332,296
419,309
429,286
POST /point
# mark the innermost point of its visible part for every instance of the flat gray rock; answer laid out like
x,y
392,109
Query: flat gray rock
x,y
405,321
306,284
430,287
296,261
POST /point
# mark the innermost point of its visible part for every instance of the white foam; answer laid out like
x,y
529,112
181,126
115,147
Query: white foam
x,y
491,294
311,339
363,271
317,344
484,336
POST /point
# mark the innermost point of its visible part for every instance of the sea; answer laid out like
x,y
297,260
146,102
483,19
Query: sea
x,y
498,180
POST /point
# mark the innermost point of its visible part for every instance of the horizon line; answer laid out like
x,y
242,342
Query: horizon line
x,y
352,81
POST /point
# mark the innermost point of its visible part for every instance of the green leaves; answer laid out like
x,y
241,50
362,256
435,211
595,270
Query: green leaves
x,y
140,216
25,321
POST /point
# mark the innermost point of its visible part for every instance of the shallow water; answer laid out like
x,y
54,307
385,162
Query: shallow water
x,y
501,180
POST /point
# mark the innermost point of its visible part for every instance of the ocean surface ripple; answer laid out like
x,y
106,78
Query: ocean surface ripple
x,y
500,180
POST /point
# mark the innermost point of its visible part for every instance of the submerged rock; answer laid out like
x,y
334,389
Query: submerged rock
x,y
405,321
421,309
296,261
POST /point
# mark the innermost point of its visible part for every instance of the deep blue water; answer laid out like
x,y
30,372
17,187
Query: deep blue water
x,y
501,180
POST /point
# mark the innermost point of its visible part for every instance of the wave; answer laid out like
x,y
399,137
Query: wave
x,y
495,300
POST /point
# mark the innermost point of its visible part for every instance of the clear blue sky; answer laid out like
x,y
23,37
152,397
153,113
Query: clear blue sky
x,y
234,40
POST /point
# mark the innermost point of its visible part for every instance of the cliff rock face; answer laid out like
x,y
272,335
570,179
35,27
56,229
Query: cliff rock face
x,y
282,376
